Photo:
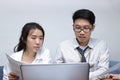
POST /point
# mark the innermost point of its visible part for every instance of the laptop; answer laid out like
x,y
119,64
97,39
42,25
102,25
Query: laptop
x,y
64,71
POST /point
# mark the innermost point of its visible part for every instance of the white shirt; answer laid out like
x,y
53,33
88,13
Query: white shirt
x,y
42,57
97,55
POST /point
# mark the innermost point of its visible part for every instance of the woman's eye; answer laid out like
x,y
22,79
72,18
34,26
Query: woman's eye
x,y
33,38
41,38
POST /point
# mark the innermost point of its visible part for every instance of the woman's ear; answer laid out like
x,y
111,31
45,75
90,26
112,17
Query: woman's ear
x,y
23,40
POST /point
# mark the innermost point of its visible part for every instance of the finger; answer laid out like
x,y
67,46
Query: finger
x,y
12,79
13,76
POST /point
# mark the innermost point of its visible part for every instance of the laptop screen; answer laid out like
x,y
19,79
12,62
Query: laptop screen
x,y
79,71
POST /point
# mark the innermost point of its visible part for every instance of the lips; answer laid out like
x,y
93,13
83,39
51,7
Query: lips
x,y
82,37
36,47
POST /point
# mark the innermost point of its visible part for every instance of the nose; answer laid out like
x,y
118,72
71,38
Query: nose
x,y
82,32
37,41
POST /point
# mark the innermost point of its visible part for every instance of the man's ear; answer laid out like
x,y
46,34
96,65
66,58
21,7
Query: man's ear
x,y
93,27
73,26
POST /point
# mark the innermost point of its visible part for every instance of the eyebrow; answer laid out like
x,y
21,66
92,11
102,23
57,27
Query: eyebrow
x,y
80,25
37,36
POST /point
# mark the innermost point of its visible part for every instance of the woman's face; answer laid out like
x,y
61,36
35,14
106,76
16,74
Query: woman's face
x,y
34,40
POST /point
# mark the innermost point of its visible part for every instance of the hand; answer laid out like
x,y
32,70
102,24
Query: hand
x,y
111,77
115,76
106,77
13,76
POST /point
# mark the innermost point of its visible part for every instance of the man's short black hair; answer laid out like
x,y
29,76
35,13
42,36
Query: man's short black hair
x,y
84,14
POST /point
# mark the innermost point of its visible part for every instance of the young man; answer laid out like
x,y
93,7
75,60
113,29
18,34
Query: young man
x,y
83,48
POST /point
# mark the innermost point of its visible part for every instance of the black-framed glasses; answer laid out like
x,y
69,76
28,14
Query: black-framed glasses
x,y
85,29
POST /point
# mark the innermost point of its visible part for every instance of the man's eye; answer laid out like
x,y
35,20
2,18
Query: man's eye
x,y
77,28
86,28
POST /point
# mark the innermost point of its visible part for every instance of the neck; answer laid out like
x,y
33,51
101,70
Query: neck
x,y
82,43
28,57
29,54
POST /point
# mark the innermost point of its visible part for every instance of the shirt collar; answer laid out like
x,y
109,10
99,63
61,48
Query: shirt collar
x,y
39,53
91,43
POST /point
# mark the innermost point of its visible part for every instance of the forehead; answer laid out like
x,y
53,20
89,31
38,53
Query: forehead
x,y
82,22
35,32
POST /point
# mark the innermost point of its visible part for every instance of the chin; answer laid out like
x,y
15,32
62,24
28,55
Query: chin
x,y
82,40
35,51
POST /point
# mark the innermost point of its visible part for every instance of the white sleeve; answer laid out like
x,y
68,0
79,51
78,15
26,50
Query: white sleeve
x,y
46,57
103,64
59,56
6,71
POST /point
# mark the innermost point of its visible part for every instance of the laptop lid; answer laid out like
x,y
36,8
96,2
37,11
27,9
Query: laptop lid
x,y
79,71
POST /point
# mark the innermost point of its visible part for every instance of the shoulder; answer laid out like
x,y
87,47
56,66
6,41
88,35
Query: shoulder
x,y
43,52
67,43
97,43
102,43
16,55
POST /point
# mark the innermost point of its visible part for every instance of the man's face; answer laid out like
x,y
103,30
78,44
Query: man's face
x,y
83,30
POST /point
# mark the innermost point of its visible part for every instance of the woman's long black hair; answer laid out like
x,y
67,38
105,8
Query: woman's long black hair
x,y
24,34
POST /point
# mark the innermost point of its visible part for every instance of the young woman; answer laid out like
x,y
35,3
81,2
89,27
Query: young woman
x,y
29,49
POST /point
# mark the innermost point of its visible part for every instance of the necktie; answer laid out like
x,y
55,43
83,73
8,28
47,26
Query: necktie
x,y
82,53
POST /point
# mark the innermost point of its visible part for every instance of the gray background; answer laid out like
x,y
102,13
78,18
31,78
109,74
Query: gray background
x,y
56,18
